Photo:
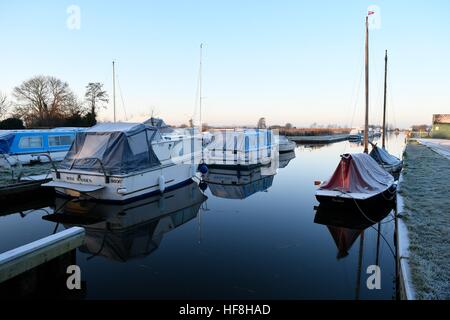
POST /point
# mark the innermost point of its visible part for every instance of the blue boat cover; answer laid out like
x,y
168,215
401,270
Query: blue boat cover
x,y
383,157
120,148
5,142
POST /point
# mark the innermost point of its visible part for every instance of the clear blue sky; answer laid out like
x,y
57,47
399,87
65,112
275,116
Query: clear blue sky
x,y
289,61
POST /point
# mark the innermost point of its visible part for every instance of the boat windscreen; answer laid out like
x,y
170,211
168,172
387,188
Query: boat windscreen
x,y
116,152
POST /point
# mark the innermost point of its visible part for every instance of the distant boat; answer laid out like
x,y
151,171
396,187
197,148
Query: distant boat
x,y
243,148
35,146
358,180
391,164
356,135
119,162
285,145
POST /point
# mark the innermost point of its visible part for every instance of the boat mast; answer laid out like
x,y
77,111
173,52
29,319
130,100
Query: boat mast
x,y
200,86
114,90
383,143
366,123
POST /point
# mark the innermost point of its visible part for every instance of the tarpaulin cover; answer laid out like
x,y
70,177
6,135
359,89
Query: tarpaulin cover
x,y
5,142
160,124
240,140
120,147
381,156
359,173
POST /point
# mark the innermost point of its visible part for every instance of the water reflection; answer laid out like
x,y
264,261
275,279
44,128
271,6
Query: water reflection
x,y
236,183
346,226
285,158
133,230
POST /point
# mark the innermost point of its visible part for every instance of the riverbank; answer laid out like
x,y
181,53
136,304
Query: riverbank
x,y
426,214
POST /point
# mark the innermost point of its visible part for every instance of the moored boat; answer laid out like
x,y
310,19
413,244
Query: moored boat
x,y
35,146
285,145
388,162
358,182
120,162
243,148
391,164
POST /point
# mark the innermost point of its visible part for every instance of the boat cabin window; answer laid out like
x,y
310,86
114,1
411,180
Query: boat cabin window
x,y
94,146
31,142
138,143
55,141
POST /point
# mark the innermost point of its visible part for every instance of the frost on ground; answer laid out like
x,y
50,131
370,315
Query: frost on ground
x,y
10,175
426,192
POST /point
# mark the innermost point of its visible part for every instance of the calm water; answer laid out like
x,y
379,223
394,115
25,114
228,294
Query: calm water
x,y
258,240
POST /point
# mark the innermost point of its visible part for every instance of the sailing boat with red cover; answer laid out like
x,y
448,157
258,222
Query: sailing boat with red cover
x,y
358,180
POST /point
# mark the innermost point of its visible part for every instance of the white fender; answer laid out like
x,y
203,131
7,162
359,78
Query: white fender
x,y
162,183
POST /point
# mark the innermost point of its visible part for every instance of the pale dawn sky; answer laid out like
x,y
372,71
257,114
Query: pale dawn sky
x,y
288,61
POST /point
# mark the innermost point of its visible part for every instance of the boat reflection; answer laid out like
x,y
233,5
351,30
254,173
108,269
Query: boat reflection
x,y
133,230
239,183
346,226
284,159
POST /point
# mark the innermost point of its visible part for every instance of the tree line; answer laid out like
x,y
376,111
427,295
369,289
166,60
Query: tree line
x,y
46,101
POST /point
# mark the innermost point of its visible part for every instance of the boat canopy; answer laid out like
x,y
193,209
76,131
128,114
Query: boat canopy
x,y
358,173
241,140
381,156
160,124
119,148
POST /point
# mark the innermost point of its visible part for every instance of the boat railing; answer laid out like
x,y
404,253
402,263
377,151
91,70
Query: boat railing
x,y
46,155
96,160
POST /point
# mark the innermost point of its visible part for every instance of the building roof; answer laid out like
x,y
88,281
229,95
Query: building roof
x,y
441,118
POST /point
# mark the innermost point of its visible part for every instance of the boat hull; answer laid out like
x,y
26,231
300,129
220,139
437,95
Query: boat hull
x,y
286,147
374,202
122,189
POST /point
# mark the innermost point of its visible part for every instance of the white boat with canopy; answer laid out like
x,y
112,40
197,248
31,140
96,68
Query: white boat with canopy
x,y
122,161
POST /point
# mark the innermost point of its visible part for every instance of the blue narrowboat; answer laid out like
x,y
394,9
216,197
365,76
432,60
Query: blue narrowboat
x,y
34,146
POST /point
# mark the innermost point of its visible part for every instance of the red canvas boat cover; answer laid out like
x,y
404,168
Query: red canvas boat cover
x,y
359,173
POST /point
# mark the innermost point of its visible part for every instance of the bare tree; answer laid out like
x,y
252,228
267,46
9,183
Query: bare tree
x,y
288,125
4,105
43,100
96,97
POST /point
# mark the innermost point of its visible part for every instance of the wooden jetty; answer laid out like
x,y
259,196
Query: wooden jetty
x,y
320,139
29,186
34,254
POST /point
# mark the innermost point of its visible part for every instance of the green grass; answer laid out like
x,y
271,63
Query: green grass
x,y
426,192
